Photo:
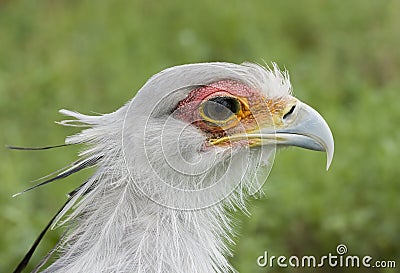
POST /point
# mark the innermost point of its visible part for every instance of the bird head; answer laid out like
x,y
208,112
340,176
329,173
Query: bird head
x,y
194,136
199,134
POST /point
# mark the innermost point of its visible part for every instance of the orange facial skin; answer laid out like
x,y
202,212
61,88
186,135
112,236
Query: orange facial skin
x,y
255,109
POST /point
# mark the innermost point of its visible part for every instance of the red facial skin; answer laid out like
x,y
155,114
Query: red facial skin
x,y
252,101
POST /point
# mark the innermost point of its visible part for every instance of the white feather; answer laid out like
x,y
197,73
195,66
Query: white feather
x,y
158,202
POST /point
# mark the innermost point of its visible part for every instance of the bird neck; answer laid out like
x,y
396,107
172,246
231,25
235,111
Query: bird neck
x,y
125,232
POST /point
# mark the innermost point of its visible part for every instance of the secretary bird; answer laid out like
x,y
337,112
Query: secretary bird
x,y
193,144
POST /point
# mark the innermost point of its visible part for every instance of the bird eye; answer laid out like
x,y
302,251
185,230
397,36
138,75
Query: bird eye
x,y
219,109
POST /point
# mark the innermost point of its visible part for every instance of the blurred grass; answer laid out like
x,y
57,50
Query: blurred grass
x,y
344,60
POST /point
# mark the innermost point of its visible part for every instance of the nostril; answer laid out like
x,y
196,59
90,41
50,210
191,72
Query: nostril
x,y
290,112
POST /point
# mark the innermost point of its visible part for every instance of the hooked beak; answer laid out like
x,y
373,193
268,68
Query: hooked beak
x,y
302,127
308,130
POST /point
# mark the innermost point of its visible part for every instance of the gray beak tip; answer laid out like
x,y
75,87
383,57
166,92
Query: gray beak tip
x,y
329,157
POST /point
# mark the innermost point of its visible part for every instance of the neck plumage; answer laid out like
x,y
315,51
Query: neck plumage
x,y
123,221
121,231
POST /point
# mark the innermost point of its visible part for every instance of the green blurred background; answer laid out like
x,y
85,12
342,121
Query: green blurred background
x,y
344,59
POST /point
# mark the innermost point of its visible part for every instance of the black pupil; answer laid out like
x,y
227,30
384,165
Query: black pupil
x,y
221,108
